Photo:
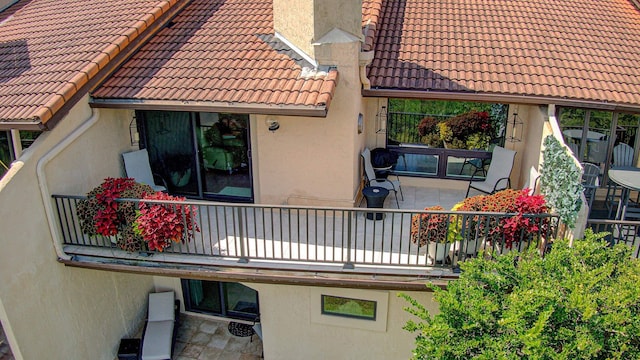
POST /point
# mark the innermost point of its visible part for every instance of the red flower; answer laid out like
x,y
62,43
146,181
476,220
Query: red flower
x,y
160,224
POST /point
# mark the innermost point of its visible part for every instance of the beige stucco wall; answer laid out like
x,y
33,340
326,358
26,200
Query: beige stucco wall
x,y
303,22
312,160
293,328
529,149
53,311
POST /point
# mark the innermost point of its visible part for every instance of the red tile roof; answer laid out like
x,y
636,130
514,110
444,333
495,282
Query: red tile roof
x,y
216,55
49,51
553,50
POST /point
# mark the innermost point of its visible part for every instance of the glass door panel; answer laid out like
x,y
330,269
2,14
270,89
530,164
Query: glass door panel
x,y
223,143
240,301
226,299
203,296
169,141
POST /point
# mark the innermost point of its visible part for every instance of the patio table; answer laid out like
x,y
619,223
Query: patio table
x,y
577,134
375,196
628,178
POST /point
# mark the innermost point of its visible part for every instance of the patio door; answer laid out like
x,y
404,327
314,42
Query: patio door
x,y
199,155
594,135
226,299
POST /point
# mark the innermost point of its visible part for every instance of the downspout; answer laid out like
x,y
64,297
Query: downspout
x,y
17,145
364,59
42,180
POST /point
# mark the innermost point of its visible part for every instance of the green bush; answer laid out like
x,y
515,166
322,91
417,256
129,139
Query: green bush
x,y
579,302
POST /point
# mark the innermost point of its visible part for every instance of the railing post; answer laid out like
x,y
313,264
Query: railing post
x,y
348,264
243,252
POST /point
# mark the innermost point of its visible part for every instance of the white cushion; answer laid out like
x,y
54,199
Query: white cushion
x,y
157,341
161,306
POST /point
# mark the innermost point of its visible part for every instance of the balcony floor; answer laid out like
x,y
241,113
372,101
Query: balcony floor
x,y
417,198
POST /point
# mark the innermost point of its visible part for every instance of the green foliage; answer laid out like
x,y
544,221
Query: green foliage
x,y
419,119
560,181
578,302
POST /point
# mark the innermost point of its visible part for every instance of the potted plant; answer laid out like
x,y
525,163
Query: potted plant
x,y
515,231
463,229
101,214
161,224
431,229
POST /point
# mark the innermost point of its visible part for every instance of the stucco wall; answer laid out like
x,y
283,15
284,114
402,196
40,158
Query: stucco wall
x,y
311,160
53,311
303,22
294,329
529,151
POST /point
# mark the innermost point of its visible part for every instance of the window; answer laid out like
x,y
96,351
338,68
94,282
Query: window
x,y
348,307
437,138
592,135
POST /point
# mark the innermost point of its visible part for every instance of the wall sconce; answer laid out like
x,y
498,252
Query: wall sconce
x,y
272,124
134,136
381,120
516,129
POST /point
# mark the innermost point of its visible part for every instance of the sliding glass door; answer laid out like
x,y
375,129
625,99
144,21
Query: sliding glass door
x,y
226,299
223,143
202,155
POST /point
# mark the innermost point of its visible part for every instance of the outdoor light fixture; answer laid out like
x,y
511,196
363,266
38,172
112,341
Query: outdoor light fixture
x,y
381,120
516,129
272,124
133,132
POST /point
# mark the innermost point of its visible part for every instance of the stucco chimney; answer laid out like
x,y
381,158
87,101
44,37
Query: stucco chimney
x,y
302,22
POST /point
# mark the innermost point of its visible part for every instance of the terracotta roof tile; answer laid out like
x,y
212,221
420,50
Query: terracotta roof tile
x,y
49,50
579,49
231,45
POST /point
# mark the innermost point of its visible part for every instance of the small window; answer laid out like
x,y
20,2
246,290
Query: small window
x,y
347,307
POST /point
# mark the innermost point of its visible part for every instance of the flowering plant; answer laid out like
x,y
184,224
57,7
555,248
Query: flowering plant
x,y
160,224
101,214
510,228
429,227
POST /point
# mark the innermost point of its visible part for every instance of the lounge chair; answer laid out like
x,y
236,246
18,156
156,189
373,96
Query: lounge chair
x,y
136,164
160,330
498,174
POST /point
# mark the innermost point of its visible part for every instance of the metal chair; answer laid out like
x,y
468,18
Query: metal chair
x,y
622,156
590,182
597,151
575,149
498,174
532,181
370,174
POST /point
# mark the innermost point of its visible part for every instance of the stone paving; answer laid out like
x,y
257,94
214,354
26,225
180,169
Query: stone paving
x,y
201,338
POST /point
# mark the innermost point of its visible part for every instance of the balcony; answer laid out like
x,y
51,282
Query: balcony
x,y
309,239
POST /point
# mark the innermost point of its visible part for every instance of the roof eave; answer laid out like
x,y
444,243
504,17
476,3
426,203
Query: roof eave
x,y
205,106
48,115
499,98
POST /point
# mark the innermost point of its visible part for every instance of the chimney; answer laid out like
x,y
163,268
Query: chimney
x,y
301,23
